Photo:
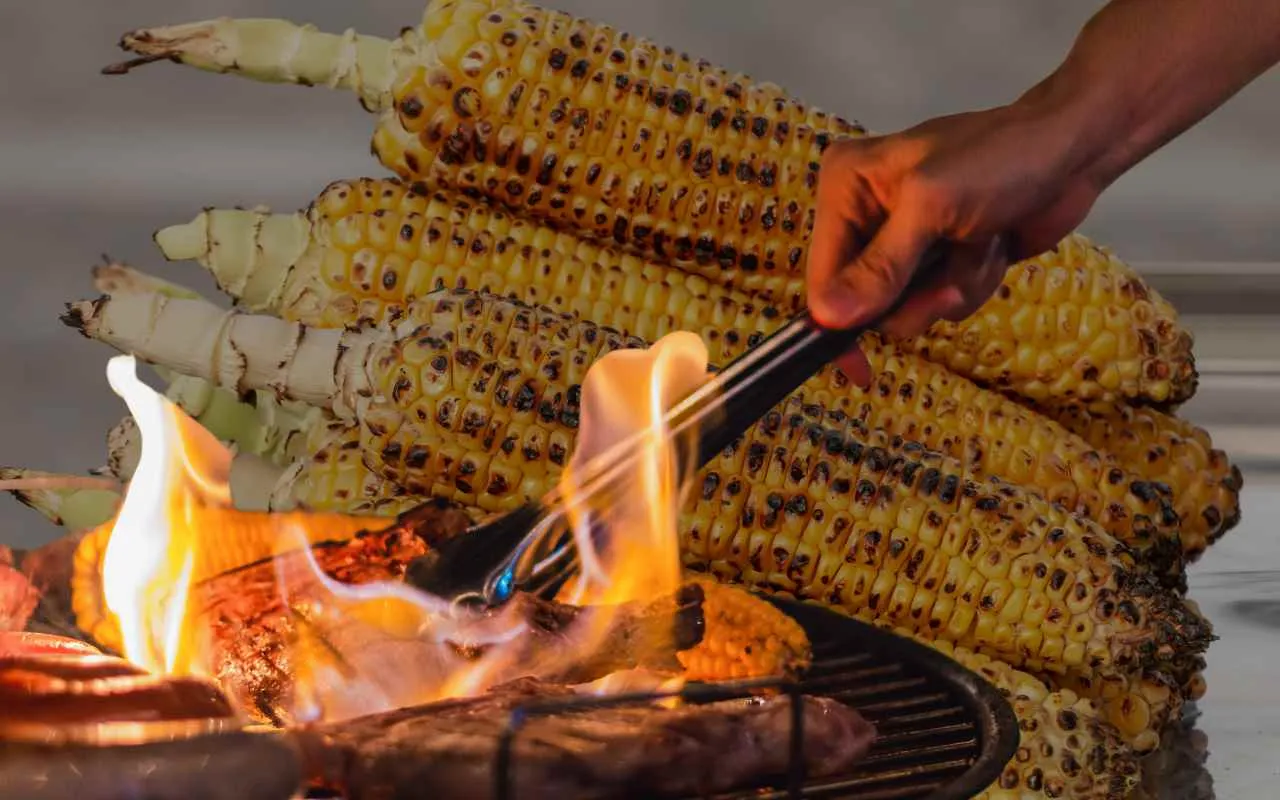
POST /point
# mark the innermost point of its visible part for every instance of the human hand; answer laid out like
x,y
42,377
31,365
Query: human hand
x,y
996,186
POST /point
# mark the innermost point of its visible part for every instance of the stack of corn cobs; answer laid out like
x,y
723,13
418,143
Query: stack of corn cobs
x,y
1016,489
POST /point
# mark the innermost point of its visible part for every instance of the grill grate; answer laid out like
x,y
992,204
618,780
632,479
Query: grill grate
x,y
944,733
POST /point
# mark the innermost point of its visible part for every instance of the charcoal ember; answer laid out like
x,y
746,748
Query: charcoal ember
x,y
221,766
551,647
449,749
18,597
251,629
49,568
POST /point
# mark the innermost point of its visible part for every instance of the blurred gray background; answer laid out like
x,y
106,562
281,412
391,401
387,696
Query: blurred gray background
x,y
92,164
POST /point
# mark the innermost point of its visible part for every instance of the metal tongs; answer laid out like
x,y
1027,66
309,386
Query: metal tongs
x,y
532,548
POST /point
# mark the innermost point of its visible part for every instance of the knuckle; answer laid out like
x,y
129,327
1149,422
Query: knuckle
x,y
848,154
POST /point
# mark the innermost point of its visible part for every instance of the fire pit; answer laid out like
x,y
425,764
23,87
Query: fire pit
x,y
622,685
941,732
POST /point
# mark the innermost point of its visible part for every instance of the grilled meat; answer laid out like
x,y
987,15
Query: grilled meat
x,y
450,749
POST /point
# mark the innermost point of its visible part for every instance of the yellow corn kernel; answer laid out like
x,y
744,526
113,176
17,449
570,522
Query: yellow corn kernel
x,y
1161,447
745,637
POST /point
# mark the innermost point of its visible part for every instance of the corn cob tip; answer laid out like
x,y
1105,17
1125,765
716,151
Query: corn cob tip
x,y
249,252
82,315
117,278
199,44
124,448
1175,630
252,476
271,51
184,242
320,367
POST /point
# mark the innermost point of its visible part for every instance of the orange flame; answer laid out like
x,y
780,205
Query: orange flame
x,y
147,566
374,647
626,394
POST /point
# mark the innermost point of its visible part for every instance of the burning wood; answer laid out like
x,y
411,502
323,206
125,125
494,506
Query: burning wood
x,y
450,749
254,630
251,626
18,598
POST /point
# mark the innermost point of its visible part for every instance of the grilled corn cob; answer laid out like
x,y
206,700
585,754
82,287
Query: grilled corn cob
x,y
1165,448
1139,708
1066,747
332,477
1074,323
746,637
913,399
251,478
628,142
481,408
365,248
242,537
576,123
619,138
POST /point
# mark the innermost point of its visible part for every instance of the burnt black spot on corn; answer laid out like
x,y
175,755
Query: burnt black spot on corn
x,y
1173,454
1069,745
1075,323
913,399
640,112
1012,573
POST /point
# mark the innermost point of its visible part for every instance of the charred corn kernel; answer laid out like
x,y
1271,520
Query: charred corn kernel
x,y
615,136
241,538
332,477
568,120
1204,484
912,401
745,637
1066,747
1138,707
1195,687
914,404
1073,323
474,398
630,142
366,248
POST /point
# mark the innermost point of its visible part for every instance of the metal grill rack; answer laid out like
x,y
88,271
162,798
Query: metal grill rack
x,y
944,733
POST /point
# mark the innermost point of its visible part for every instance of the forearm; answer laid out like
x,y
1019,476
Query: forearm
x,y
1143,71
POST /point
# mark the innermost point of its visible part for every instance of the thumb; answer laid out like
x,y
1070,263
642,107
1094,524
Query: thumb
x,y
867,286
